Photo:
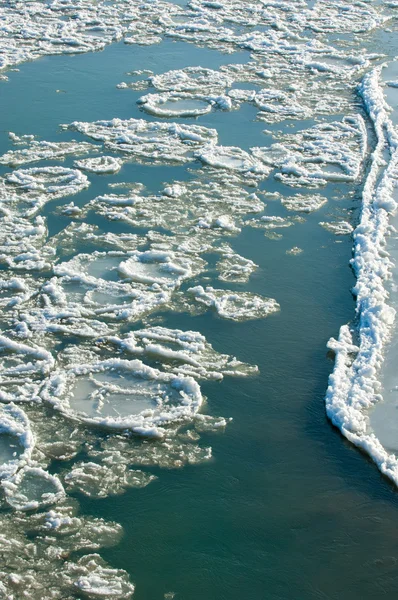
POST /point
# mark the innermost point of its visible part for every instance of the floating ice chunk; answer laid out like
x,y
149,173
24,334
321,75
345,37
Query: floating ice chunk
x,y
70,240
161,142
172,452
175,190
338,16
237,306
16,439
33,188
55,438
191,79
117,285
92,268
100,164
94,579
175,105
20,140
326,152
76,304
21,361
271,222
164,268
206,423
14,291
101,481
36,550
294,251
216,200
338,227
123,395
22,241
275,105
185,352
233,158
71,210
220,222
306,203
36,151
233,267
31,488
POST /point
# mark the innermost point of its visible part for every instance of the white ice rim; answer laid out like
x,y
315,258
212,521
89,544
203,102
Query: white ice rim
x,y
354,385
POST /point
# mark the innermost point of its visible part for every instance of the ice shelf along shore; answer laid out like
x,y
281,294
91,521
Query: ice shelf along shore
x,y
355,387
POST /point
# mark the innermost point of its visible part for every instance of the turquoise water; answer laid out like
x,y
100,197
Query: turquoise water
x,y
285,509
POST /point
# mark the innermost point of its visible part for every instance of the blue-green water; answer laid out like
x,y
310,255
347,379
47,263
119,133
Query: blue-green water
x,y
285,509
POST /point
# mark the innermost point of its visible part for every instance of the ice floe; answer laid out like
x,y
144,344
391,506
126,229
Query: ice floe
x,y
233,267
28,190
337,227
123,395
32,488
305,203
143,140
237,306
36,552
100,164
100,481
186,352
16,439
36,151
326,152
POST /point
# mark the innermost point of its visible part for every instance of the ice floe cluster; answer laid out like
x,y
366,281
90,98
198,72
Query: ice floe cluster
x,y
75,386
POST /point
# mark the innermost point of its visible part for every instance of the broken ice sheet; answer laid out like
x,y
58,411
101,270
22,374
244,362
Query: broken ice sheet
x,y
100,481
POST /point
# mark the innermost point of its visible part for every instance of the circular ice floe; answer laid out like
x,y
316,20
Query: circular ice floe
x,y
31,488
96,291
174,105
123,395
100,164
92,268
165,268
16,439
156,267
237,306
57,181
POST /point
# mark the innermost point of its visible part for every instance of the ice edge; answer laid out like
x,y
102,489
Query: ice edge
x,y
353,385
